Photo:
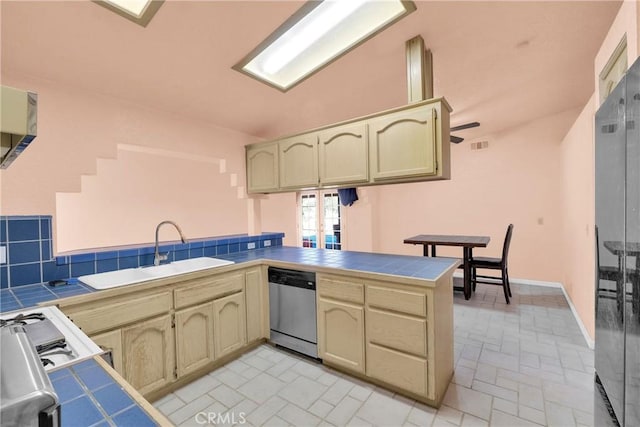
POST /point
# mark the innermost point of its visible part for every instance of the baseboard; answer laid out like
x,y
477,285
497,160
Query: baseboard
x,y
590,342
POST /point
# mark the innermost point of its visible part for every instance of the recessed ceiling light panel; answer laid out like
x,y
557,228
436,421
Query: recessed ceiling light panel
x,y
138,11
316,35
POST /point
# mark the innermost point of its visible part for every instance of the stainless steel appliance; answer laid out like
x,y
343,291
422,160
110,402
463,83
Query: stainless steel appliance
x,y
26,395
292,307
617,219
34,341
57,340
18,122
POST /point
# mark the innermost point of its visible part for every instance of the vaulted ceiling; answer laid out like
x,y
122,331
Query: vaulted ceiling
x,y
502,63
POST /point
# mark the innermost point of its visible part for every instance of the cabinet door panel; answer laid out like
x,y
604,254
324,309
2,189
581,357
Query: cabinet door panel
x,y
397,300
341,334
403,144
397,331
255,294
344,155
149,354
208,288
299,161
110,313
194,335
262,168
111,341
398,369
229,324
340,288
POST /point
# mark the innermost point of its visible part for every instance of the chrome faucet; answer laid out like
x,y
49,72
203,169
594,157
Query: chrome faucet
x,y
157,257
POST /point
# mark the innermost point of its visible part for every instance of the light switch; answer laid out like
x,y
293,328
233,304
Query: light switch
x,y
3,254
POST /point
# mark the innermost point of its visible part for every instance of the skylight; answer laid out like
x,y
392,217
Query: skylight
x,y
134,7
138,11
316,35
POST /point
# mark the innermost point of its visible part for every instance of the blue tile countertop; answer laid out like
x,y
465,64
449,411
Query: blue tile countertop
x,y
416,267
89,396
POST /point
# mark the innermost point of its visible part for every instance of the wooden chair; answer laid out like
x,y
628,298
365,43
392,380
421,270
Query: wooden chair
x,y
610,273
620,293
494,264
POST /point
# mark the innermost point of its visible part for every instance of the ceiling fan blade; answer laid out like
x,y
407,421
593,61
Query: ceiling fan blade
x,y
456,139
465,126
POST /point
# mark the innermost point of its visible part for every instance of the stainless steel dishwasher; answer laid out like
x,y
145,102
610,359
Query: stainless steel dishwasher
x,y
292,310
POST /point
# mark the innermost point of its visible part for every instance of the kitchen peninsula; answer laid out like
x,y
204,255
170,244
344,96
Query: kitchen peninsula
x,y
387,319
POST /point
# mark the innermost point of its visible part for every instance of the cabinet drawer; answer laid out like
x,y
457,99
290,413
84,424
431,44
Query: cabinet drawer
x,y
337,288
397,300
397,331
206,289
109,315
401,370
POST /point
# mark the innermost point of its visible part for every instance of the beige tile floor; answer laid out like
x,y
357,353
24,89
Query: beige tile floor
x,y
523,364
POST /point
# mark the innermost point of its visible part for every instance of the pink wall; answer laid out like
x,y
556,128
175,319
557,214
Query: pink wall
x,y
515,180
577,208
577,164
184,182
279,213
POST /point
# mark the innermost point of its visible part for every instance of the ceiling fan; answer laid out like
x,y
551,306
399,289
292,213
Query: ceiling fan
x,y
457,139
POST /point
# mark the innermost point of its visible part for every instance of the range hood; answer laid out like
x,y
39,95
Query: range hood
x,y
18,122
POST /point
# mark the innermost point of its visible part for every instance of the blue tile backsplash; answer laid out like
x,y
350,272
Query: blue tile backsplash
x,y
27,242
30,252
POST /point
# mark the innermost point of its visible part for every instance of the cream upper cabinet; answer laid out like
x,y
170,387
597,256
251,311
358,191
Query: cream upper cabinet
x,y
194,338
262,168
299,161
229,317
344,154
341,334
409,143
257,308
403,144
148,349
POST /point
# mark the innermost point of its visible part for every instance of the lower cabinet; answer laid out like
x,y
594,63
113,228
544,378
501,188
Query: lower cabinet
x,y
257,306
194,338
397,368
229,326
341,334
148,349
111,341
393,333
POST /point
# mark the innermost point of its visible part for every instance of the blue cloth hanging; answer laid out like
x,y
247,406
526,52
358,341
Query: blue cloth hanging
x,y
347,196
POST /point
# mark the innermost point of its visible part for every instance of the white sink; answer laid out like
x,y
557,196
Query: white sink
x,y
114,279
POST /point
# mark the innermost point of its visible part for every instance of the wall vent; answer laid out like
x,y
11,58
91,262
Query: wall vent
x,y
480,145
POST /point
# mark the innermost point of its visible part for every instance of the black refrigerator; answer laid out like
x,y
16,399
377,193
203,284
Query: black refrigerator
x,y
617,288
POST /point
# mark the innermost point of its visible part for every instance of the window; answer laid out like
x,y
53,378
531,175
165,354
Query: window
x,y
320,221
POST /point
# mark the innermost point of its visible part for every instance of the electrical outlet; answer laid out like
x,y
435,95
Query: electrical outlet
x,y
267,243
3,254
251,245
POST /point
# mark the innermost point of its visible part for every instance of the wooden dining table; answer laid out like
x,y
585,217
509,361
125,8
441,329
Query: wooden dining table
x,y
467,243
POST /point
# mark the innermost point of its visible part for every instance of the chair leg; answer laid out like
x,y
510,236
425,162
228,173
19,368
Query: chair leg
x,y
505,285
620,291
506,275
473,279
